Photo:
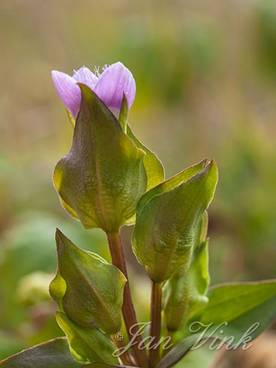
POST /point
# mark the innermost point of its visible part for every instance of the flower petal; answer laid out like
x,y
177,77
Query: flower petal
x,y
85,76
67,90
115,81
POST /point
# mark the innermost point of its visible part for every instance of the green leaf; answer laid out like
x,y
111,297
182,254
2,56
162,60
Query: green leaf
x,y
199,358
178,352
185,292
123,114
239,309
202,229
71,118
153,166
52,354
87,288
178,179
199,278
167,220
87,344
102,177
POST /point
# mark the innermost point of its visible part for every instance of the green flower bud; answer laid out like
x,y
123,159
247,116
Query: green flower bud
x,y
103,176
167,219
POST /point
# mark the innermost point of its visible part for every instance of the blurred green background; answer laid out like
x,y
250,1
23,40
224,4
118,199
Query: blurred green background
x,y
206,87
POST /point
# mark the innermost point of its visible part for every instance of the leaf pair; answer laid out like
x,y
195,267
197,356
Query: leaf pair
x,y
167,220
240,305
106,171
89,292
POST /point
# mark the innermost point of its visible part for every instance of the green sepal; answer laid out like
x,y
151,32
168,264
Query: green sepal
x,y
71,118
185,293
153,166
167,219
199,280
123,114
102,177
87,345
235,311
87,288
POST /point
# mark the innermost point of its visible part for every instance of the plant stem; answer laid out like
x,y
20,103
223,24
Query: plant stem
x,y
125,357
118,259
155,329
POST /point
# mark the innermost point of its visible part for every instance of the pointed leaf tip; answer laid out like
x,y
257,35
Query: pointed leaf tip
x,y
103,176
167,217
87,288
59,235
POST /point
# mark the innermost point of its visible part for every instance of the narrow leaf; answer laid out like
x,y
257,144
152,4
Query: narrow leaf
x,y
178,352
52,354
185,292
153,166
238,310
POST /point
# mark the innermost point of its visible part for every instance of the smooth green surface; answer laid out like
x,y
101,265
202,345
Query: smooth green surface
x,y
238,307
102,177
87,345
167,219
171,183
52,354
185,293
123,114
177,353
201,358
153,166
88,289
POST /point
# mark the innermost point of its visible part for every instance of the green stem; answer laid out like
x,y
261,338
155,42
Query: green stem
x,y
155,329
118,259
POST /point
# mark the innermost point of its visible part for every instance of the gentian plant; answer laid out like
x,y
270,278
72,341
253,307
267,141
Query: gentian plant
x,y
107,180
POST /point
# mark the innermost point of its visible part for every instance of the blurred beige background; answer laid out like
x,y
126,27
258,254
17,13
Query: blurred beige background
x,y
206,87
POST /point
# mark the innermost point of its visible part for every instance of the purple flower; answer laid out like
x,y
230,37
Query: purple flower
x,y
110,86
